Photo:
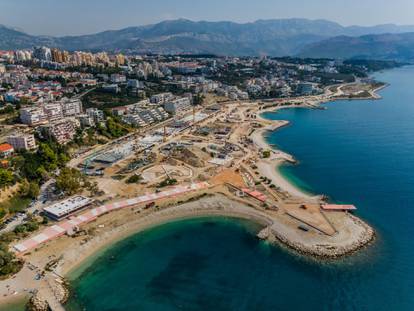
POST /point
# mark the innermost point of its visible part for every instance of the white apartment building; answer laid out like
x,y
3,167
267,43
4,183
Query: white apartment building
x,y
71,107
134,119
32,116
161,98
53,111
117,78
22,141
63,131
178,106
96,114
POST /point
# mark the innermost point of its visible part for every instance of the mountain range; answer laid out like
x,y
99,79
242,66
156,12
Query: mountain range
x,y
279,37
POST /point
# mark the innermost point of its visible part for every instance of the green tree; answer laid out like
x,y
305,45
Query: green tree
x,y
6,178
48,157
133,179
198,99
69,181
34,190
266,154
8,263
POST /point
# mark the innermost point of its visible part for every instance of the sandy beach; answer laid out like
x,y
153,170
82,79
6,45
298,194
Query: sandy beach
x,y
81,250
269,167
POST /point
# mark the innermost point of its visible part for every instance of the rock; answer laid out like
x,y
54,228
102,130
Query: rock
x,y
37,303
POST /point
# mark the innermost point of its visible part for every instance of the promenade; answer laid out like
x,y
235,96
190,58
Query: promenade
x,y
69,225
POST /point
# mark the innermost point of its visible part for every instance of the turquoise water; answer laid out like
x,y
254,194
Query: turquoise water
x,y
209,264
13,306
360,152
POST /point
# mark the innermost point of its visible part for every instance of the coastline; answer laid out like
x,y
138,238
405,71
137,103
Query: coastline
x,y
96,247
110,229
79,252
214,204
270,167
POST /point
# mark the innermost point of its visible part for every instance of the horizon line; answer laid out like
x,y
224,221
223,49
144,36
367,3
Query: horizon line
x,y
19,29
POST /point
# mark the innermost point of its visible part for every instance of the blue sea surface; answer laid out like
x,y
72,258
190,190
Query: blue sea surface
x,y
359,152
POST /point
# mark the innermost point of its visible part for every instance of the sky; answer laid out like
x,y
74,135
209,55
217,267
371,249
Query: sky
x,y
73,17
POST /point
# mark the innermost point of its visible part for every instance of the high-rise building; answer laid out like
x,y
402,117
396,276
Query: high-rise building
x,y
58,55
42,53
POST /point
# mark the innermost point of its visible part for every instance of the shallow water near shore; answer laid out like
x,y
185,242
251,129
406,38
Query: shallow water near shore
x,y
359,152
204,264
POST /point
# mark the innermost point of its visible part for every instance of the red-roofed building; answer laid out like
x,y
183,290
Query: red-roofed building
x,y
6,150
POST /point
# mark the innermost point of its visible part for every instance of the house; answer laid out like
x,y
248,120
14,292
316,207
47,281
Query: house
x,y
6,150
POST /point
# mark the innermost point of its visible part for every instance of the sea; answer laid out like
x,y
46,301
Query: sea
x,y
359,152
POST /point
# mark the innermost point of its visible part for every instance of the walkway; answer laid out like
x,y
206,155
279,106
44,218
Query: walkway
x,y
69,225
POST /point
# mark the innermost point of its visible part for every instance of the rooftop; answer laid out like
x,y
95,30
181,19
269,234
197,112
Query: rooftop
x,y
6,147
67,206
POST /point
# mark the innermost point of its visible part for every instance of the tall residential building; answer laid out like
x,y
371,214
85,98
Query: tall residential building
x,y
71,107
23,55
57,55
53,111
63,131
32,115
42,53
22,141
119,59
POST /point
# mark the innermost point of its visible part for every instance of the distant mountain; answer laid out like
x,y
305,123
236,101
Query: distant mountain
x,y
14,39
279,37
380,47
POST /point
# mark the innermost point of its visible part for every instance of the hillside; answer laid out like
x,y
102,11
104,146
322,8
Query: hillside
x,y
279,37
381,47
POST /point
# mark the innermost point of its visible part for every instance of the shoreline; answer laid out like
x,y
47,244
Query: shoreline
x,y
270,167
352,235
167,215
214,204
79,253
279,157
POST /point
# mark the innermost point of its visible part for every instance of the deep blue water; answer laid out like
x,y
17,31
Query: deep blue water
x,y
359,152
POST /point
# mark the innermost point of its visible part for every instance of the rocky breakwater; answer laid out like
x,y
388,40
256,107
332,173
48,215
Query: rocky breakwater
x,y
356,236
37,303
50,297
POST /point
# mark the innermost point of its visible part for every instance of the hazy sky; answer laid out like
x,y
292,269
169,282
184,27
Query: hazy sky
x,y
62,17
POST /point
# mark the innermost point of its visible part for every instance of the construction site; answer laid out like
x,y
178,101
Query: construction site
x,y
222,146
